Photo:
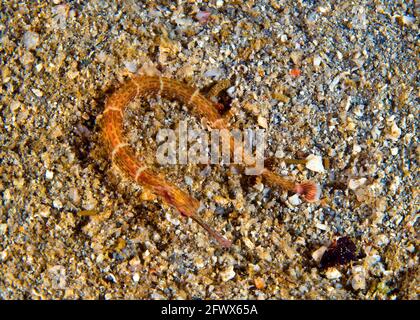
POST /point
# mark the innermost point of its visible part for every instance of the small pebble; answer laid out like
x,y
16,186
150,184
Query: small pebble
x,y
408,20
199,262
394,151
38,67
259,283
250,245
317,61
332,273
356,149
322,226
74,195
30,40
230,91
45,212
3,228
57,204
395,132
323,9
157,296
213,73
202,16
358,281
37,92
356,183
227,274
295,200
100,258
188,180
49,174
3,255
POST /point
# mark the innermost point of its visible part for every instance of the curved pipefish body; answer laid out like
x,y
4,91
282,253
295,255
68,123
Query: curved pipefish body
x,y
124,157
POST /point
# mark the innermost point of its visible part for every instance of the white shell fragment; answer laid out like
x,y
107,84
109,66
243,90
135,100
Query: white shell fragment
x,y
49,174
314,163
356,183
262,122
227,274
295,200
394,132
30,40
317,61
358,281
131,66
332,273
318,253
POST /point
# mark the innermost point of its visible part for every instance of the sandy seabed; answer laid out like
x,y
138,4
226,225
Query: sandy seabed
x,y
335,79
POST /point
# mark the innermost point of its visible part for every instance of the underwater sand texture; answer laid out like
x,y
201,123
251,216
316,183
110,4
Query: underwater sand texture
x,y
336,81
